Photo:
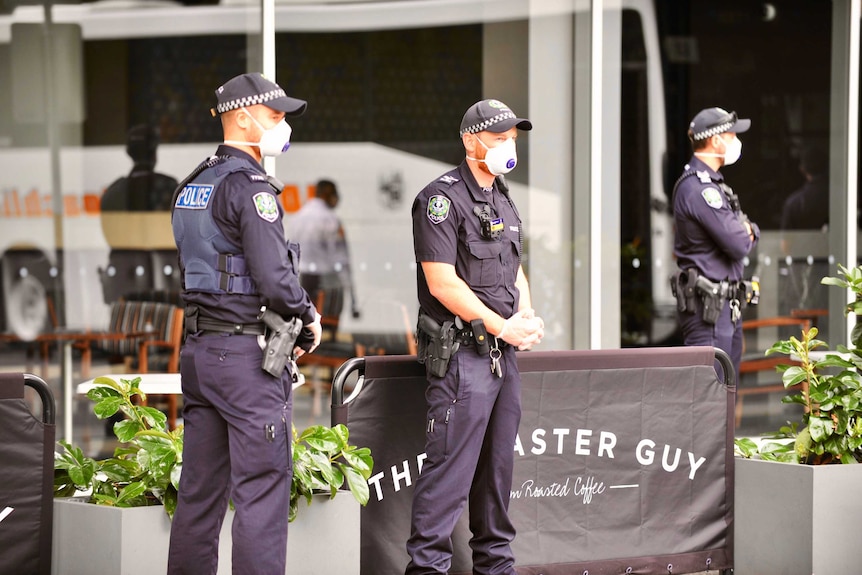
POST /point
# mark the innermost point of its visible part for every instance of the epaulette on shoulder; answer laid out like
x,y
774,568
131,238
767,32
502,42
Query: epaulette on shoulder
x,y
447,179
255,177
704,177
684,176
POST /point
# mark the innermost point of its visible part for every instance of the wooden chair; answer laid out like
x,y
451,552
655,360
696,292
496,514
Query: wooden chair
x,y
755,360
155,336
330,354
395,343
171,339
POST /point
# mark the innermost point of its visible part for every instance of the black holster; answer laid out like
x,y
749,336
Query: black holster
x,y
280,340
749,291
435,344
713,295
191,318
682,285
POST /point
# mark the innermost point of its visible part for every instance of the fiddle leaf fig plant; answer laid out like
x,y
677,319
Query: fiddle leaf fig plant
x,y
829,390
145,469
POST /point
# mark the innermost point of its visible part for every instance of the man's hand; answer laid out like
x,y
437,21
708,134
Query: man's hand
x,y
748,229
316,332
523,330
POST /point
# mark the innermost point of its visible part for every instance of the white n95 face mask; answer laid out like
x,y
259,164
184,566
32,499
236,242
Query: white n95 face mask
x,y
273,141
500,159
732,150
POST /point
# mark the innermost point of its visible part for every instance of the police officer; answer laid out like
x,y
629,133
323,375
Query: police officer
x,y
234,259
474,311
713,236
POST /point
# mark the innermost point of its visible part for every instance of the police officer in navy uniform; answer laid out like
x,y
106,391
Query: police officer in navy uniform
x,y
234,259
475,311
713,236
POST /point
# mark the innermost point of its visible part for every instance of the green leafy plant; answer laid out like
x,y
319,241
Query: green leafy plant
x,y
145,469
323,460
829,390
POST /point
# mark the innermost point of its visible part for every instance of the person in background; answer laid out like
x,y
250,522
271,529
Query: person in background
x,y
143,189
712,237
807,208
235,264
325,262
121,206
475,310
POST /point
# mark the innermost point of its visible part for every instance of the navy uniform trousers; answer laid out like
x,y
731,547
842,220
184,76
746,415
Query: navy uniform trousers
x,y
724,334
472,424
236,445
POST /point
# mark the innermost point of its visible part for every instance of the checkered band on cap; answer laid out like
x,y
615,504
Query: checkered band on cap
x,y
250,100
482,126
714,130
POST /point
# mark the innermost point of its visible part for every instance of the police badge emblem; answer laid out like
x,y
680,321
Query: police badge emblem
x,y
438,208
266,206
712,197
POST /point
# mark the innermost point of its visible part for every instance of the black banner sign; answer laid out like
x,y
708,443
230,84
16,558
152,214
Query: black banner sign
x,y
623,462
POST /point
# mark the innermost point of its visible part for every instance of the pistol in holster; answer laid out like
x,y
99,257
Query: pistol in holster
x,y
280,340
682,285
435,344
713,294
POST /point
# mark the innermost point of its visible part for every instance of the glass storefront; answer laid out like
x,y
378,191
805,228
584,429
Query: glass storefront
x,y
87,86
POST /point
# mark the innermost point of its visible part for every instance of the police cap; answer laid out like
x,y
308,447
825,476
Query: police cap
x,y
713,121
491,116
252,89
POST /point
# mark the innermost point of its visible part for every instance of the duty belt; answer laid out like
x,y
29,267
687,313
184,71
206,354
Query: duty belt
x,y
209,324
688,283
467,338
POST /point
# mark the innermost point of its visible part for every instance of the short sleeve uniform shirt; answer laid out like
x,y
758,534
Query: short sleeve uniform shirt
x,y
447,228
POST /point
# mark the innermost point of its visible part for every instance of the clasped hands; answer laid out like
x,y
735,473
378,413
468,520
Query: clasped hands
x,y
523,330
309,338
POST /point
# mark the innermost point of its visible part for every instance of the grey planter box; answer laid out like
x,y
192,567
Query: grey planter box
x,y
90,539
796,519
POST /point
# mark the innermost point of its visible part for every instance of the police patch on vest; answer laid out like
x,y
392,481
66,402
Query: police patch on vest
x,y
266,206
712,197
438,209
194,197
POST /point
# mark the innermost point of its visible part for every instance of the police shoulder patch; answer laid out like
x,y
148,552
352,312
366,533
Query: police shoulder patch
x,y
712,197
266,206
438,208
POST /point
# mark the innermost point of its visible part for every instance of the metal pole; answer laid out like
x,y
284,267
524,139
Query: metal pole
x,y
267,33
596,24
844,149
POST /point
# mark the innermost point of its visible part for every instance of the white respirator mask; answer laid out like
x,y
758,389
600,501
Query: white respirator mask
x,y
273,141
500,159
732,150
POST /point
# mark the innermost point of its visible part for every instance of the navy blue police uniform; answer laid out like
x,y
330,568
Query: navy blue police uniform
x,y
234,258
711,238
473,414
